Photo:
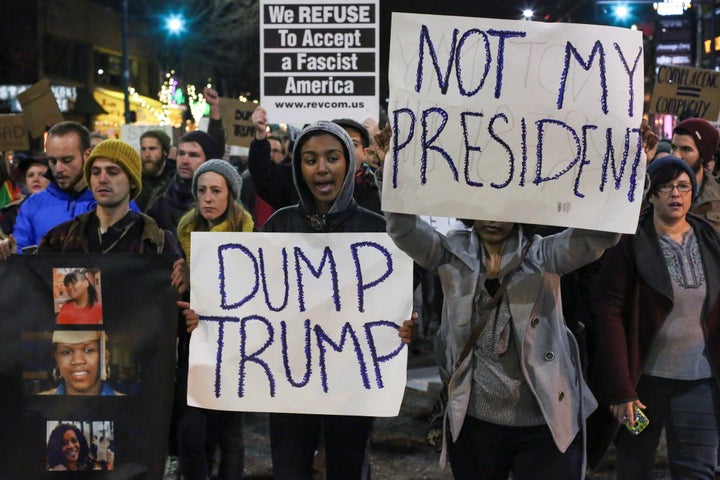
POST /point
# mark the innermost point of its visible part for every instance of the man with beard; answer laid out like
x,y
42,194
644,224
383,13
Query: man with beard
x,y
695,141
113,171
157,168
67,147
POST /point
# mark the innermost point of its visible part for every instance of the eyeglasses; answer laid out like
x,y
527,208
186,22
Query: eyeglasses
x,y
683,188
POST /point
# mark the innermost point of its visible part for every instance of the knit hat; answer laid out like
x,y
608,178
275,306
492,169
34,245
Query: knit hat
x,y
161,136
206,142
357,126
121,153
669,160
663,146
221,167
705,135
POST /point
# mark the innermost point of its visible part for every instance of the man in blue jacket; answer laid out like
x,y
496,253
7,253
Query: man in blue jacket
x,y
67,147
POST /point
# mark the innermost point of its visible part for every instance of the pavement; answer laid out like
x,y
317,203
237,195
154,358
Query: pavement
x,y
400,450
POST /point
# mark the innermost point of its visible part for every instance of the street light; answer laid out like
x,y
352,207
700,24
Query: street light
x,y
175,24
528,14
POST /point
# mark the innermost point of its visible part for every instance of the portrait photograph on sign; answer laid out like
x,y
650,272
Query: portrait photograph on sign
x,y
77,295
78,446
79,362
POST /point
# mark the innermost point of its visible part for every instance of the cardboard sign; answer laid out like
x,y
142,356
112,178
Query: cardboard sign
x,y
319,60
516,121
681,89
132,133
40,109
299,323
239,129
13,135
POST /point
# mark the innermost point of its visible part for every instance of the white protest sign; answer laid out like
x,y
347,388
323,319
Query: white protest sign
x,y
131,133
298,323
514,120
319,60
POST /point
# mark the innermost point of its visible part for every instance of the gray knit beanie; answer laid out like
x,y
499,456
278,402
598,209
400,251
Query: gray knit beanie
x,y
221,167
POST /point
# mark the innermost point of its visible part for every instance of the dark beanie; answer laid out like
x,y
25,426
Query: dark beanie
x,y
704,134
671,160
206,142
357,126
161,137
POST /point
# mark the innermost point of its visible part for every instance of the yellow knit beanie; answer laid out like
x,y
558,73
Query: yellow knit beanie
x,y
121,153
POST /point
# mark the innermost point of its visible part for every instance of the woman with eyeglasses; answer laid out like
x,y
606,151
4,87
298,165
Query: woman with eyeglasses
x,y
658,335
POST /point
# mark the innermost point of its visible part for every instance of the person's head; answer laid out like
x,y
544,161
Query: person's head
x,y
493,233
33,169
79,288
673,187
114,173
664,148
97,137
68,446
695,141
216,187
194,148
154,149
277,148
324,167
359,135
66,149
80,358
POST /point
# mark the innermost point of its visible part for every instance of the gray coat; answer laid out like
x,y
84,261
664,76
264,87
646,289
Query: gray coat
x,y
549,354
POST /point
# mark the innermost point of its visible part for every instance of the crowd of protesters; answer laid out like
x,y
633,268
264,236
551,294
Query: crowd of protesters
x,y
539,382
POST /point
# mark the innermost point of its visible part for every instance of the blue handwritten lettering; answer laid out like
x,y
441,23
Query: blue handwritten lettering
x,y
442,79
491,130
397,145
224,250
597,50
378,359
327,258
286,283
361,286
541,134
631,73
323,338
286,361
468,147
427,144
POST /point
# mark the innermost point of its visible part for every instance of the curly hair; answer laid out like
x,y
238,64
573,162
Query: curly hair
x,y
55,455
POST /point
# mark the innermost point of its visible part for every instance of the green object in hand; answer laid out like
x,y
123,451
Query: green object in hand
x,y
641,421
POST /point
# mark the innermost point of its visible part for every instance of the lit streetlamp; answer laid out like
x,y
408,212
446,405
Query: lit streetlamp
x,y
528,14
175,25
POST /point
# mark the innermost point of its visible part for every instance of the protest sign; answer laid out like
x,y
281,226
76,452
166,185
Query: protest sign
x,y
40,108
678,90
319,60
299,323
131,133
516,121
13,135
239,129
113,380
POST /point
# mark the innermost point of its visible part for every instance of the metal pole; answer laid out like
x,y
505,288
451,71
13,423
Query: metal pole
x,y
126,62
